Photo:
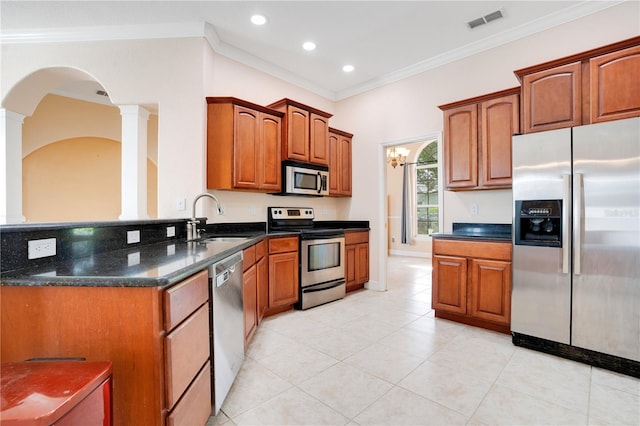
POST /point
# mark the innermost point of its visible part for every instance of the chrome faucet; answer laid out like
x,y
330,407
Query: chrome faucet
x,y
192,231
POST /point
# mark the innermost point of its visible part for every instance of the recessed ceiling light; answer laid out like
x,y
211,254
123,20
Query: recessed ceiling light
x,y
348,68
258,19
309,46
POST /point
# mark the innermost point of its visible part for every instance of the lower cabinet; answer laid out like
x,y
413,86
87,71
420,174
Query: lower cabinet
x,y
356,259
283,273
255,288
156,338
472,282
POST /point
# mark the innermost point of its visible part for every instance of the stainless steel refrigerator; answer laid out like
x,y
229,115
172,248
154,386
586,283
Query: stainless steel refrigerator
x,y
576,235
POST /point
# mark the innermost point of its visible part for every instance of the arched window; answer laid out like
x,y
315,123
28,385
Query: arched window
x,y
427,203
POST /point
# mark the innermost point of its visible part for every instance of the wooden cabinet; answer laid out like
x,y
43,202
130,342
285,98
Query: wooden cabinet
x,y
356,259
598,85
262,264
477,140
250,301
472,282
552,99
243,146
339,162
255,288
305,132
156,339
283,273
615,85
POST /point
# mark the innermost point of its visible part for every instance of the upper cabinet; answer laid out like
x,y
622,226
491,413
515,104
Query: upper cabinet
x,y
477,140
339,162
244,143
598,85
305,135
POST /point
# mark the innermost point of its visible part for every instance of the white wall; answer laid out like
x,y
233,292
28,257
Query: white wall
x,y
409,108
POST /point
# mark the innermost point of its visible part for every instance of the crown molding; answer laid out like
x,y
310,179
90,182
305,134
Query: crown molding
x,y
572,13
103,33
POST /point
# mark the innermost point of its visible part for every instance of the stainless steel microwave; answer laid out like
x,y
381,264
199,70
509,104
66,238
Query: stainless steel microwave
x,y
304,179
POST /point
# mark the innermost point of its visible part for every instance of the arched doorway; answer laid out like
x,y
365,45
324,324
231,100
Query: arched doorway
x,y
64,142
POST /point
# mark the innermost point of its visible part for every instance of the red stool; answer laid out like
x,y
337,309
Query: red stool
x,y
55,393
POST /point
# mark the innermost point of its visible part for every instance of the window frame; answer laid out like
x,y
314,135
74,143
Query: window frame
x,y
418,167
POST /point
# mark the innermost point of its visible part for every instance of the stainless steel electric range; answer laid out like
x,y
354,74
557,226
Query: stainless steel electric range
x,y
322,257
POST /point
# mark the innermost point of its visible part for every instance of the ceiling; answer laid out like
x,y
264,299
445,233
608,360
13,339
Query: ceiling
x,y
384,40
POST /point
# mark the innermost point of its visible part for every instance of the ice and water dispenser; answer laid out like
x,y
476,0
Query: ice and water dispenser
x,y
538,223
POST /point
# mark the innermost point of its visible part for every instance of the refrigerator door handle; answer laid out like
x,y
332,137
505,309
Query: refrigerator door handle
x,y
566,222
578,203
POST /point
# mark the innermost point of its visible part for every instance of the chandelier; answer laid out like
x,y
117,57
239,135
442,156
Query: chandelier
x,y
397,156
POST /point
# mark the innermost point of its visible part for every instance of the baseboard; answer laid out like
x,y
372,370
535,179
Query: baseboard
x,y
395,252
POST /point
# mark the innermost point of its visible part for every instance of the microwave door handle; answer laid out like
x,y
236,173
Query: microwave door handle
x,y
319,183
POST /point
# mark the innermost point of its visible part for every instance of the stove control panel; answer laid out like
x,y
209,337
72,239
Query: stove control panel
x,y
291,213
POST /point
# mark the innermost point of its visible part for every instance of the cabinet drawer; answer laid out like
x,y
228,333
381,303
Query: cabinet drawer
x,y
248,257
261,250
184,298
186,350
474,249
195,407
356,237
283,245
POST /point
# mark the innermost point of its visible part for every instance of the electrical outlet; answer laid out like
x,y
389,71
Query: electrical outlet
x,y
41,248
133,236
474,209
171,231
181,204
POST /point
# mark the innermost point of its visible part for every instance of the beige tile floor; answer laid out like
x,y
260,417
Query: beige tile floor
x,y
381,358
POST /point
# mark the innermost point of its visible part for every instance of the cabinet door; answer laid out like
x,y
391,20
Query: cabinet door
x,y
339,164
250,302
490,287
297,134
552,99
362,263
345,165
270,152
335,172
615,85
246,130
263,287
350,265
283,279
319,139
449,282
500,119
461,146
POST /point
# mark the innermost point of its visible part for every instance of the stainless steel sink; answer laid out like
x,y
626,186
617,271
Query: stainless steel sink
x,y
224,239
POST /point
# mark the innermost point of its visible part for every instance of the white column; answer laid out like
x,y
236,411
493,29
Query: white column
x,y
11,161
134,162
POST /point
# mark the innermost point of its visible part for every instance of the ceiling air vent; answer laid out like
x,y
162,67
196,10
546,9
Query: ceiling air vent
x,y
485,19
101,93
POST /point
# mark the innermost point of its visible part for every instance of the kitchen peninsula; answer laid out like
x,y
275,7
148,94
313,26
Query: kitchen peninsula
x,y
143,306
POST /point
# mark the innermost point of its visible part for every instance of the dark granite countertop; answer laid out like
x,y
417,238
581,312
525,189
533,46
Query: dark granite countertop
x,y
479,232
101,258
152,265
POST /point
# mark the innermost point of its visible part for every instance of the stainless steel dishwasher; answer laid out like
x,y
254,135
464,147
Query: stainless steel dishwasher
x,y
227,325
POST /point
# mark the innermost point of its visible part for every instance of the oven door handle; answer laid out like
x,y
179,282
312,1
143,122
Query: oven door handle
x,y
329,235
323,286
